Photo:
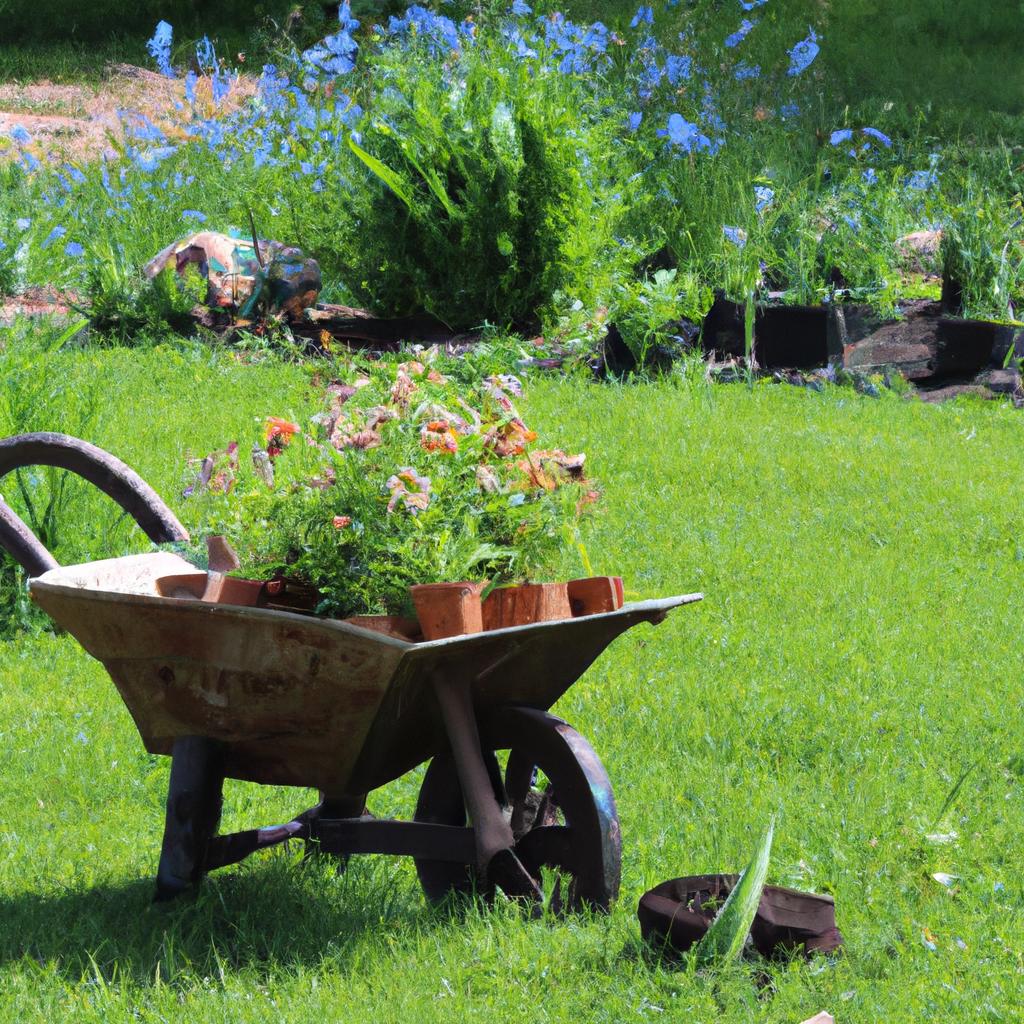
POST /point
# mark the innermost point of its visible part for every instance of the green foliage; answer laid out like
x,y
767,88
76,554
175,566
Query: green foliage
x,y
647,313
413,479
51,20
983,252
728,932
468,195
123,304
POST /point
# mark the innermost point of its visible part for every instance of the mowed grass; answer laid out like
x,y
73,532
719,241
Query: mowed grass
x,y
857,651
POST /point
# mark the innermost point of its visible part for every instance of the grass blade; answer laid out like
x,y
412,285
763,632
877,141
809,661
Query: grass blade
x,y
728,931
952,794
382,171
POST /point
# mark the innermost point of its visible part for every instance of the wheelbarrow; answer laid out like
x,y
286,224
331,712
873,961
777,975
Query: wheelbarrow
x,y
281,698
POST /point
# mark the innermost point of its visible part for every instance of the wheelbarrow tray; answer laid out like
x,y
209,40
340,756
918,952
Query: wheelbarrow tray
x,y
297,700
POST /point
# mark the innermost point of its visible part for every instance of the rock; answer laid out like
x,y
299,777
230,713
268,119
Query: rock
x,y
920,249
989,384
909,345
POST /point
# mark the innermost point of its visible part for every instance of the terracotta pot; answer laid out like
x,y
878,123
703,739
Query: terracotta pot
x,y
212,588
595,594
447,609
529,602
222,589
390,625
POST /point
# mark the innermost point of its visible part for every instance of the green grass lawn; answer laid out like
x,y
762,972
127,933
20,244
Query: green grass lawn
x,y
856,652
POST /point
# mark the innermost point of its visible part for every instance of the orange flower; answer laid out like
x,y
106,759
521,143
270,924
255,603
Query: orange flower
x,y
410,489
278,433
340,522
438,436
510,438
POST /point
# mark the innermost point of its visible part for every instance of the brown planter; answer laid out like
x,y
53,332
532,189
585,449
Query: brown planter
x,y
595,594
529,602
676,914
447,609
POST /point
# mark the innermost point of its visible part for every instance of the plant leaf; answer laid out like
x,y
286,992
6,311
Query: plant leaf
x,y
382,171
728,931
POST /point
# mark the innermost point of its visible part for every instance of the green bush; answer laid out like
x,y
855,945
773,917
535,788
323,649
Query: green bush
x,y
467,195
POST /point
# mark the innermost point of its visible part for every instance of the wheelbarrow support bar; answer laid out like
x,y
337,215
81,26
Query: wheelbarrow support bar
x,y
494,839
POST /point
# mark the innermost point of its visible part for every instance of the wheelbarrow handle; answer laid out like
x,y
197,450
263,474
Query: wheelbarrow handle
x,y
100,468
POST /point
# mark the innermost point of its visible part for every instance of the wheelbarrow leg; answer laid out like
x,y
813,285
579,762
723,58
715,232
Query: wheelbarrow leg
x,y
193,813
494,839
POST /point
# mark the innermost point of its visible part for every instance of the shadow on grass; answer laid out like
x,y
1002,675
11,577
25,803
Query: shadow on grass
x,y
276,913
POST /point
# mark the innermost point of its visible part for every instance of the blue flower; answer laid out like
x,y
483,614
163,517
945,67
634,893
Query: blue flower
x,y
678,69
74,250
336,54
206,56
520,8
840,135
138,126
23,223
635,120
159,48
439,32
869,176
752,4
58,232
193,215
922,180
801,57
20,135
30,162
684,134
220,85
763,197
741,33
737,236
876,134
643,16
190,86
149,159
745,71
789,110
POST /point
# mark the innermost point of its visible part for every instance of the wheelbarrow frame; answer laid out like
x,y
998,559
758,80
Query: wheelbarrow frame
x,y
514,830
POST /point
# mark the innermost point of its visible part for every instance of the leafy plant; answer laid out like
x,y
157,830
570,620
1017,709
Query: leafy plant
x,y
983,253
401,479
728,932
657,315
472,182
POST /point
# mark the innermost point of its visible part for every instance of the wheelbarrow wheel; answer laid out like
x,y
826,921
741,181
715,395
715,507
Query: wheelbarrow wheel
x,y
559,802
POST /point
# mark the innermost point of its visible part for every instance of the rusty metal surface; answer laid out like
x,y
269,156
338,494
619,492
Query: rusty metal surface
x,y
297,700
100,468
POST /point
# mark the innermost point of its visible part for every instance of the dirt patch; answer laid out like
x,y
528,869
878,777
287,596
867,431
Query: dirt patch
x,y
79,122
39,300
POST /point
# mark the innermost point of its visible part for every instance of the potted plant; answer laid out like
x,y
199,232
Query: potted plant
x,y
403,477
